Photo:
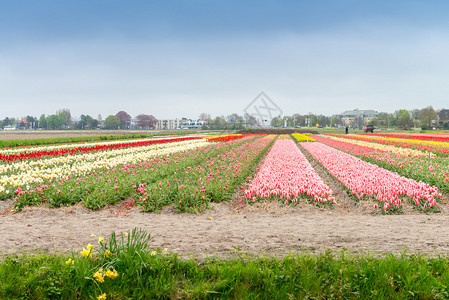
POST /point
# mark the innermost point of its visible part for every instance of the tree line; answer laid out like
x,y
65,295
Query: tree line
x,y
426,118
63,119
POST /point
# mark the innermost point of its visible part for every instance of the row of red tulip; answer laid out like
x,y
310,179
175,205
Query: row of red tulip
x,y
366,180
287,174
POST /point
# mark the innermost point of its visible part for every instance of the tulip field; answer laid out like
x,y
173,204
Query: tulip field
x,y
191,172
313,198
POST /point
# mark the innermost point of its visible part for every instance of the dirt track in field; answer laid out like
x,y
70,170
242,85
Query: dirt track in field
x,y
265,228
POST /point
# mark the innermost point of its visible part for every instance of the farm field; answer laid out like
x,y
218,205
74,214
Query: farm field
x,y
263,183
280,197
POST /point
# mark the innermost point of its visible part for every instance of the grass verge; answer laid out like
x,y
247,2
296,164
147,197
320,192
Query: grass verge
x,y
124,267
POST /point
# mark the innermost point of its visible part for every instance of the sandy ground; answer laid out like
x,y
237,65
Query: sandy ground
x,y
266,228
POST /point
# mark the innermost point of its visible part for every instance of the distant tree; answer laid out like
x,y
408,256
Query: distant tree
x,y
313,120
414,114
125,119
91,122
218,123
43,121
276,122
427,116
112,122
323,120
6,121
205,117
146,121
99,118
404,121
55,121
67,118
250,120
235,122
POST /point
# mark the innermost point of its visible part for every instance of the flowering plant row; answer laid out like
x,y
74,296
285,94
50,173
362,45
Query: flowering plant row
x,y
286,173
369,181
191,178
434,171
299,137
381,147
212,178
87,149
284,137
347,147
431,170
442,137
438,148
45,171
17,150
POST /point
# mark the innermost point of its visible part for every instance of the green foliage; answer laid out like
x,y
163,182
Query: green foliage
x,y
126,267
112,122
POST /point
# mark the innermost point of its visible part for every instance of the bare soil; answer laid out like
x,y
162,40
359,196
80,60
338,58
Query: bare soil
x,y
264,228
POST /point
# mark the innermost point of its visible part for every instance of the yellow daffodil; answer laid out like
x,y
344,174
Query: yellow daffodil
x,y
111,274
102,297
86,253
99,276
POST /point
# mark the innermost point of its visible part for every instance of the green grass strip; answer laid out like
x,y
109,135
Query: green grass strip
x,y
124,266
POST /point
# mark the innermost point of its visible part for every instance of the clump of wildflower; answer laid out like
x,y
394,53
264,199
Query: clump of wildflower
x,y
107,253
101,274
102,297
111,274
86,253
70,262
100,240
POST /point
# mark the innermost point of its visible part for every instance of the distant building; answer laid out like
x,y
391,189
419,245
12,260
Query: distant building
x,y
443,116
192,124
357,117
168,124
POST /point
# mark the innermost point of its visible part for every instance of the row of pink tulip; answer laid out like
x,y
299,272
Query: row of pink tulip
x,y
366,180
287,174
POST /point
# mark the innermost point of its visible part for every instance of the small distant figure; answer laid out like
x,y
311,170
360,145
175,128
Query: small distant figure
x,y
346,130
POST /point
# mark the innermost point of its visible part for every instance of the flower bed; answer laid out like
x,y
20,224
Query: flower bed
x,y
369,181
286,173
190,178
299,137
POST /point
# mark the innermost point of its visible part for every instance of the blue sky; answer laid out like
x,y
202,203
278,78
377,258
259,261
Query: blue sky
x,y
178,59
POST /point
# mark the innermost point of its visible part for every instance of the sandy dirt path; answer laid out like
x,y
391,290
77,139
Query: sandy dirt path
x,y
265,228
